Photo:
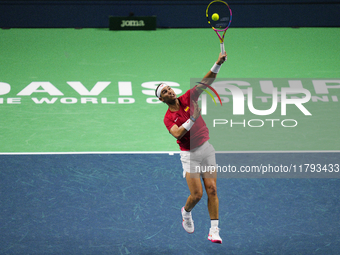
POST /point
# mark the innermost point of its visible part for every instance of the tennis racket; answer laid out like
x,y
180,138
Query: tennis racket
x,y
219,17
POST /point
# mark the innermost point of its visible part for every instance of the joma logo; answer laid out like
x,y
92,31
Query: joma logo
x,y
132,23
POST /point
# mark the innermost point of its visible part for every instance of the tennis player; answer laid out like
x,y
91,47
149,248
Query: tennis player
x,y
184,122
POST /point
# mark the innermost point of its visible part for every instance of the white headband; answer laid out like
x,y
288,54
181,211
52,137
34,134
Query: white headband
x,y
160,88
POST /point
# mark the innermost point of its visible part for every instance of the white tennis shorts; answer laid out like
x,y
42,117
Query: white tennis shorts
x,y
200,159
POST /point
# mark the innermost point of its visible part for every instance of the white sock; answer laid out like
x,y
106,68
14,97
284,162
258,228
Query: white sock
x,y
214,223
185,213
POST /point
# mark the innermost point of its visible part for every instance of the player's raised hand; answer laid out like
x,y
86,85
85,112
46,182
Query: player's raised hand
x,y
221,58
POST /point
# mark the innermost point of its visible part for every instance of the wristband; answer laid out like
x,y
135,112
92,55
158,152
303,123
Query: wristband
x,y
192,118
188,124
215,68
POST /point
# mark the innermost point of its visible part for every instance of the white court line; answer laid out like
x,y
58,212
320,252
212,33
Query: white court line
x,y
89,152
330,151
153,152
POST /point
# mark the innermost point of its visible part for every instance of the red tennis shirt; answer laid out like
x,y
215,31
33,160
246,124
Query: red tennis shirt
x,y
199,133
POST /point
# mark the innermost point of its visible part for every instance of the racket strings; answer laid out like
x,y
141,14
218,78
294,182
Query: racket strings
x,y
223,12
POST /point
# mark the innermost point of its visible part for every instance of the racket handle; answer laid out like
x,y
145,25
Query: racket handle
x,y
222,48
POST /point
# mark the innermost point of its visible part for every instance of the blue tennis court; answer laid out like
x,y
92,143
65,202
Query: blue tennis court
x,y
130,204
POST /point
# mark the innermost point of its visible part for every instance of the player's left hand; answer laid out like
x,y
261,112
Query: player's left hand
x,y
222,58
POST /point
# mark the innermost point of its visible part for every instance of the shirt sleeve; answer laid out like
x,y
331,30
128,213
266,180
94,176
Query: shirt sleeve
x,y
168,122
194,94
191,94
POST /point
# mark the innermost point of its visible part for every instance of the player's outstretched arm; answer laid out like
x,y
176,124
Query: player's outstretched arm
x,y
211,75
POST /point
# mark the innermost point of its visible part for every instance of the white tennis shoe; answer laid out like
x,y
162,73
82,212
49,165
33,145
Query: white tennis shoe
x,y
214,235
187,223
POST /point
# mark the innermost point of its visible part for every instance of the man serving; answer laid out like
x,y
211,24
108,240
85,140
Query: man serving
x,y
184,122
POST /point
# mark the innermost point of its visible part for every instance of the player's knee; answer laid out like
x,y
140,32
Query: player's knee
x,y
212,190
197,196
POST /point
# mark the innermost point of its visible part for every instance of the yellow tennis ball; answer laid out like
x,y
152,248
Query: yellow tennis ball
x,y
215,17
